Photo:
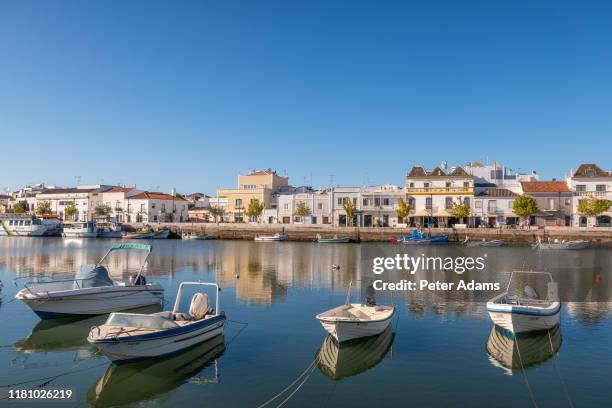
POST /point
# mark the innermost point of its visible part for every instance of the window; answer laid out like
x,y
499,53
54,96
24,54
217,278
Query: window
x,y
152,205
411,203
426,185
551,203
365,202
478,204
448,184
155,218
286,206
238,202
568,201
492,206
355,201
163,207
319,206
511,204
411,185
600,187
428,202
339,200
385,201
449,202
590,173
142,207
466,201
580,187
466,184
377,201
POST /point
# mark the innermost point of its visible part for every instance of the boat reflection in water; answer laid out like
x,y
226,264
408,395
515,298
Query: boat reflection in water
x,y
516,351
133,382
340,361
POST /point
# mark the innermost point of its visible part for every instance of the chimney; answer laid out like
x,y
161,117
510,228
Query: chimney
x,y
173,192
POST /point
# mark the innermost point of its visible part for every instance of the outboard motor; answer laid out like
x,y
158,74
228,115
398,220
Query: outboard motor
x,y
138,280
370,296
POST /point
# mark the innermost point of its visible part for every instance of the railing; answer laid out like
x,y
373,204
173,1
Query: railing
x,y
590,193
463,190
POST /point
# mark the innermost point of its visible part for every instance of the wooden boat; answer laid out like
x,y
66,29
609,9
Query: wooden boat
x,y
125,384
526,311
556,244
483,243
338,361
133,336
144,233
356,320
92,291
334,240
516,351
271,238
163,234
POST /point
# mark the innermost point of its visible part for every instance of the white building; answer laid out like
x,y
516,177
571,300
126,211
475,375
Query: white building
x,y
150,207
432,194
496,175
84,198
379,205
284,205
339,196
587,181
493,207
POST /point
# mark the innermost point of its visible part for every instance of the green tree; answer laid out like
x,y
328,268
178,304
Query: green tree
x,y
43,208
217,212
403,211
102,210
20,207
349,209
593,206
525,206
461,210
254,209
71,211
302,210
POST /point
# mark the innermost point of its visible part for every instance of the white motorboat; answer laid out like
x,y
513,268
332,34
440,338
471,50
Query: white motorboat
x,y
92,291
483,243
356,320
194,236
133,336
339,361
271,238
556,244
516,351
525,310
85,229
334,240
109,228
24,225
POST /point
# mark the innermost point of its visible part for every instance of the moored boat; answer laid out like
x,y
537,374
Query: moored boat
x,y
195,236
334,240
80,229
271,238
22,225
164,233
133,336
483,243
525,310
556,244
417,238
92,291
109,228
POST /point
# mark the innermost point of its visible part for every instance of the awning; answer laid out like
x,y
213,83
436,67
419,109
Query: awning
x,y
442,213
422,213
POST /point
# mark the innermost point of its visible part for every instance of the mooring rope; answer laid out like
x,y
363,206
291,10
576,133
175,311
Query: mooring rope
x,y
565,390
533,401
303,374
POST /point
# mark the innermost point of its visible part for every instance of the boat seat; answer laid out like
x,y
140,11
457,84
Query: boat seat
x,y
200,305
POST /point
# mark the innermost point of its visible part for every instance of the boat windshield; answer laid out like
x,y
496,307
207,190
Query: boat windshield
x,y
90,276
140,320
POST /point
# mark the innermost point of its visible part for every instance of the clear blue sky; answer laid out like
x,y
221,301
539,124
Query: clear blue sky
x,y
188,94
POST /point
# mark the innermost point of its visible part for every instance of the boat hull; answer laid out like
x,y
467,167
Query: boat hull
x,y
344,331
80,234
573,245
133,349
91,301
334,240
516,321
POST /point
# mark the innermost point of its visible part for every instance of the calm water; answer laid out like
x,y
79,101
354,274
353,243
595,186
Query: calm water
x,y
436,354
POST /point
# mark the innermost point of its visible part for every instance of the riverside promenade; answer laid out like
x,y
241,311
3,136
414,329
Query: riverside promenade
x,y
295,232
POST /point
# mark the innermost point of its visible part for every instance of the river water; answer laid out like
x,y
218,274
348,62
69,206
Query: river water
x,y
442,349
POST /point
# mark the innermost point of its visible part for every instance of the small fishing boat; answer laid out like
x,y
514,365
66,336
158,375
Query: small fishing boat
x,y
92,291
195,236
87,229
144,233
516,351
133,336
483,243
163,234
417,238
556,244
334,240
338,361
356,320
271,238
525,310
108,228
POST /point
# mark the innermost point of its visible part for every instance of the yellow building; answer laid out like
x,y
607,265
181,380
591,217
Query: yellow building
x,y
258,184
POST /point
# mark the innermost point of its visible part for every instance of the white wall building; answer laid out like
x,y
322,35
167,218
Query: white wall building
x,y
149,207
84,198
285,203
493,207
379,206
587,181
496,175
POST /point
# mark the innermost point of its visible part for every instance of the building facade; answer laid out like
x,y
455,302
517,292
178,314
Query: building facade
x,y
492,208
554,200
588,181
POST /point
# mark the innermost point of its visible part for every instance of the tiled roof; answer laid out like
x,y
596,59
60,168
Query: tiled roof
x,y
436,172
68,190
118,190
152,195
5,197
590,170
497,192
545,187
459,171
419,171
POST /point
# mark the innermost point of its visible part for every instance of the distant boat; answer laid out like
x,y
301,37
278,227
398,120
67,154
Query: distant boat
x,y
334,240
556,244
194,236
163,234
525,309
22,225
338,361
483,243
143,233
417,238
109,229
517,351
271,238
80,229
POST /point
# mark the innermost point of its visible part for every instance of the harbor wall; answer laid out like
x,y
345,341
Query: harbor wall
x,y
597,236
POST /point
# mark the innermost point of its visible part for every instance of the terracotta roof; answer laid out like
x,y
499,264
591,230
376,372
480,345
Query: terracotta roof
x,y
545,187
118,190
459,171
5,197
152,195
68,190
437,172
417,171
590,170
497,192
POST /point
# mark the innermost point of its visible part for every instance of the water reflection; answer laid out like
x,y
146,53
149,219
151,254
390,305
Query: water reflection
x,y
341,361
147,379
512,351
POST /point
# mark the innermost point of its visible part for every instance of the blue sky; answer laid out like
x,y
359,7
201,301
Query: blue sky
x,y
188,94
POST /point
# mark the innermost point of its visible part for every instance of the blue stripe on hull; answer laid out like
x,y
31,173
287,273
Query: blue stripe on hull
x,y
514,310
53,315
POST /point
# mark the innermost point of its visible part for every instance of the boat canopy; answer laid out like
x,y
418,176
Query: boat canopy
x,y
91,276
131,245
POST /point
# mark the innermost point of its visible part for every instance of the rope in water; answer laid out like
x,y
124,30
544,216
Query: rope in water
x,y
304,374
533,401
565,390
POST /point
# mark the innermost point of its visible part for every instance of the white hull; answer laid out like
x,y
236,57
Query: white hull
x,y
344,331
91,301
122,351
34,231
354,321
80,234
270,239
520,323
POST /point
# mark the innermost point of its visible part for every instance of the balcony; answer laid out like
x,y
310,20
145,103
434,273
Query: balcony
x,y
598,194
440,190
